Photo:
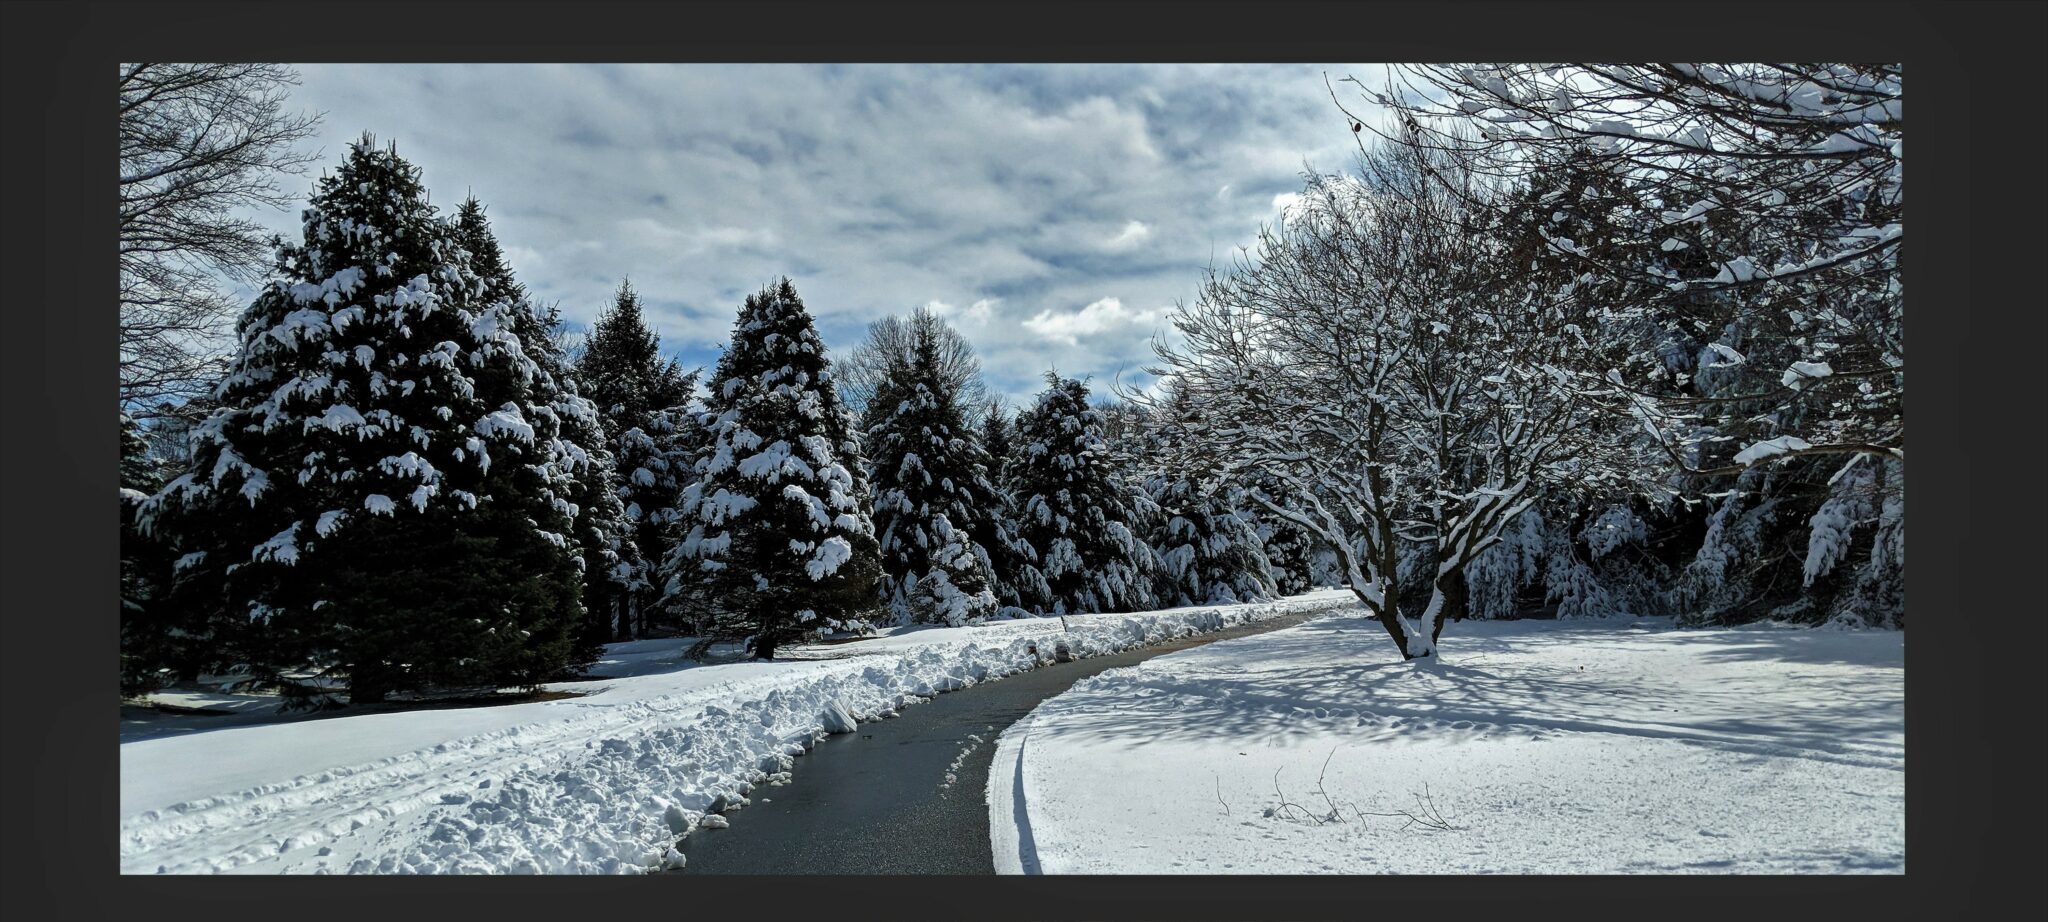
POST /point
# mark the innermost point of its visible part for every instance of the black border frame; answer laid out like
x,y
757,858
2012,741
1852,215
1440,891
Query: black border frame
x,y
1975,795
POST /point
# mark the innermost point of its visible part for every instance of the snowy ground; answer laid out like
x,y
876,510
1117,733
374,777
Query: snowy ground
x,y
1548,747
604,782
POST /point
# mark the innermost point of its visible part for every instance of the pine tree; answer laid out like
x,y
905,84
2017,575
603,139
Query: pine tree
x,y
1205,549
642,399
955,585
613,566
998,438
1208,551
1287,550
1075,507
621,367
144,650
383,491
1018,582
655,464
929,474
776,531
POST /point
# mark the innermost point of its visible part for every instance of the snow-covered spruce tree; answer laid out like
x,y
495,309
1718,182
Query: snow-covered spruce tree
x,y
776,531
1208,551
382,491
1205,550
655,461
144,568
955,585
613,566
1019,584
1074,506
1291,551
643,401
929,475
998,439
622,368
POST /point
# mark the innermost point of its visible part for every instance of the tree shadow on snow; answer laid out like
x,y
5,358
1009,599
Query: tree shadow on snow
x,y
1340,675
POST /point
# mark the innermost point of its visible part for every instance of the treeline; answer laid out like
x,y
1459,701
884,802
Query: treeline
x,y
404,480
1590,339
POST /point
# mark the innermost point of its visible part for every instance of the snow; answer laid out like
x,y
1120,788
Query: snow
x,y
837,718
506,421
1770,448
1582,747
598,783
832,553
1801,373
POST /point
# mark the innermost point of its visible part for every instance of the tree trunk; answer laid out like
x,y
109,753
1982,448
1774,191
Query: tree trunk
x,y
764,646
1388,613
1456,600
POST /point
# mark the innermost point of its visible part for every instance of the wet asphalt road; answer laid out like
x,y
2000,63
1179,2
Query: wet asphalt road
x,y
877,800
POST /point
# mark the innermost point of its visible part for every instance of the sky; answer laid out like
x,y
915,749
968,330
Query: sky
x,y
1055,214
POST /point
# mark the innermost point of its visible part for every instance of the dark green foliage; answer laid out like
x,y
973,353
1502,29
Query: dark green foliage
x,y
1207,551
144,568
381,435
775,533
641,398
1074,507
622,370
929,475
655,462
613,567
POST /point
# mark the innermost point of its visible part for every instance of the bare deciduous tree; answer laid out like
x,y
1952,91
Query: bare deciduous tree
x,y
895,340
1377,357
1765,200
199,143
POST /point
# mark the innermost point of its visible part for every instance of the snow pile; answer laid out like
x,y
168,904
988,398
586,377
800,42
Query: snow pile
x,y
1536,747
599,783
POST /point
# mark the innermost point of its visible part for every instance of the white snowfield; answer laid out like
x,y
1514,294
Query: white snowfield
x,y
1545,747
603,783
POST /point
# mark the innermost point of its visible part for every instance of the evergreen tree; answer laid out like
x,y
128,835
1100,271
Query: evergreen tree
x,y
776,530
383,490
1204,549
955,586
143,567
928,470
1208,551
998,439
642,399
1018,582
656,463
613,566
622,370
1075,507
1287,551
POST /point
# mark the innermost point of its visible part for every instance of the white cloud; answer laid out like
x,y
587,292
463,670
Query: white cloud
x,y
996,189
695,240
1134,233
977,314
1108,315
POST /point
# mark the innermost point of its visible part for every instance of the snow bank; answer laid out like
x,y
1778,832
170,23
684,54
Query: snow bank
x,y
1543,747
600,783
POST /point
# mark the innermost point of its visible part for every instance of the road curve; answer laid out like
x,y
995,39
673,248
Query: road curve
x,y
904,795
